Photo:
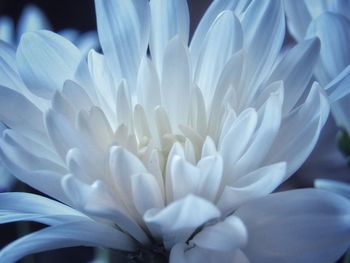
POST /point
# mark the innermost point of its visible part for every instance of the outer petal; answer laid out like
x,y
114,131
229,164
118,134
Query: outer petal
x,y
45,60
261,20
295,70
81,233
334,34
169,18
299,131
298,18
176,222
123,28
23,206
313,227
210,15
214,54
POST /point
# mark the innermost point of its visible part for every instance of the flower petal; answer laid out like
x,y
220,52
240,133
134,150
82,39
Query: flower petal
x,y
45,60
295,70
176,222
300,130
169,18
175,83
298,18
251,186
214,54
30,207
81,233
227,235
17,112
334,34
146,193
261,20
123,29
207,20
313,227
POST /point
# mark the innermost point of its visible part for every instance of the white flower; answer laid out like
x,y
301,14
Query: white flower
x,y
175,152
32,19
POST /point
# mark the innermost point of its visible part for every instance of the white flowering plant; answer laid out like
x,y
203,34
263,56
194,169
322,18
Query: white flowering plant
x,y
168,147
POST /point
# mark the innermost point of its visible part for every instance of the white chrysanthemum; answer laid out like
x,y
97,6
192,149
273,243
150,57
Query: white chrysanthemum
x,y
176,152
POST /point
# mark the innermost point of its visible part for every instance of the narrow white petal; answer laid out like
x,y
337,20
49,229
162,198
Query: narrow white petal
x,y
334,34
295,70
300,130
236,140
175,83
230,76
338,87
123,165
313,227
83,233
298,18
264,136
214,54
148,85
210,15
123,29
103,79
211,169
99,201
29,207
168,19
261,20
251,186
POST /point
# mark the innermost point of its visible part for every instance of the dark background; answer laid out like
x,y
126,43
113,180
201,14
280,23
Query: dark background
x,y
78,14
